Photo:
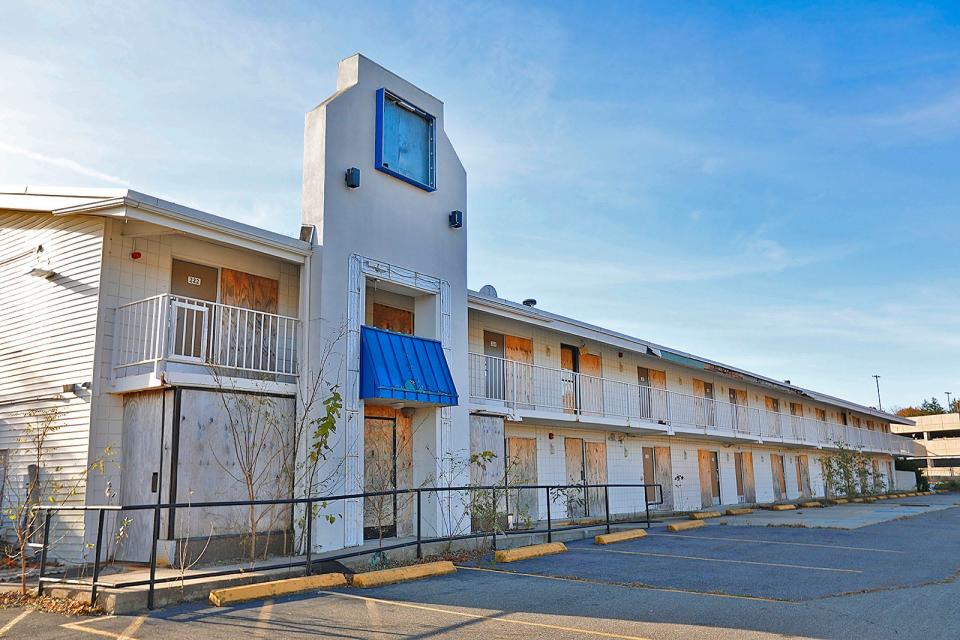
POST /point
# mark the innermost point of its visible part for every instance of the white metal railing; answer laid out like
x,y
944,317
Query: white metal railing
x,y
180,329
522,386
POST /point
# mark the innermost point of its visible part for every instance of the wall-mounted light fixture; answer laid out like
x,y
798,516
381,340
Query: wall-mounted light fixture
x,y
352,178
456,219
77,388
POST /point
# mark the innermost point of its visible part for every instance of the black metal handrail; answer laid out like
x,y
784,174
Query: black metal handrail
x,y
307,562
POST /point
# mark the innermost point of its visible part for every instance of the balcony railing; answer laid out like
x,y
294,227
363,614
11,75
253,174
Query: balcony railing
x,y
520,386
169,328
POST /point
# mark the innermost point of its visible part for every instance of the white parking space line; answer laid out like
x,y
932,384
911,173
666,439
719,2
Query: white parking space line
x,y
724,560
480,616
795,544
641,587
126,634
14,622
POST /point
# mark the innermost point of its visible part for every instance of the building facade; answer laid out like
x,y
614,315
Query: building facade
x,y
185,358
938,439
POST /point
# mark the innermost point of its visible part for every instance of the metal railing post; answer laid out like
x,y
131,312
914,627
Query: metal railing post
x,y
493,491
646,505
153,556
419,524
309,550
549,518
96,560
43,551
606,504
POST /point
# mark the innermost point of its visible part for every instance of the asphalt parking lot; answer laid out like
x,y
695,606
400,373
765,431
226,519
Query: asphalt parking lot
x,y
895,579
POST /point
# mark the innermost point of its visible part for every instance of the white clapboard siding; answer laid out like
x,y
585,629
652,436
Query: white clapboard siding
x,y
47,340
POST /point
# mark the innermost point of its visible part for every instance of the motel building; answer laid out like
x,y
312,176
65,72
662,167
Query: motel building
x,y
154,333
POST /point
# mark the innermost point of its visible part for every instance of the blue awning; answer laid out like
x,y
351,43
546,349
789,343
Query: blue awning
x,y
401,367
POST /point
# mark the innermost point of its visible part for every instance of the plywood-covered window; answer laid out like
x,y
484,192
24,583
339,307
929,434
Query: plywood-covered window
x,y
821,414
392,319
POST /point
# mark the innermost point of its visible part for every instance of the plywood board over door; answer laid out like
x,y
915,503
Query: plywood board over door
x,y
388,464
486,435
803,476
519,351
746,488
591,384
522,503
595,456
779,482
658,469
576,474
244,336
709,477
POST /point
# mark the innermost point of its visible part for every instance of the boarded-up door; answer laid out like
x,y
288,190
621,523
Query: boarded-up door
x,y
522,503
595,454
709,477
738,402
245,338
658,394
803,476
706,411
591,384
658,469
576,474
779,482
519,355
387,465
746,468
486,443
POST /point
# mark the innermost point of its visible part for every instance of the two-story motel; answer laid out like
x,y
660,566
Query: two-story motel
x,y
148,324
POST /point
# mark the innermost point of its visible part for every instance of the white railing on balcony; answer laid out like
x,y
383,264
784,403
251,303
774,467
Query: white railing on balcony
x,y
179,329
520,386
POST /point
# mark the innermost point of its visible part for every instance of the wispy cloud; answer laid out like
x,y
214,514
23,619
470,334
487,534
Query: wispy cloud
x,y
63,163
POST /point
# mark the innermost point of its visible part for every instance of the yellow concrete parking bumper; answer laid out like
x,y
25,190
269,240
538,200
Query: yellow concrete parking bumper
x,y
841,501
620,536
529,551
739,512
703,515
783,507
811,505
232,595
403,574
683,526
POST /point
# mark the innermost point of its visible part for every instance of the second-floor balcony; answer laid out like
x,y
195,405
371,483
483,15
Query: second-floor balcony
x,y
167,336
533,390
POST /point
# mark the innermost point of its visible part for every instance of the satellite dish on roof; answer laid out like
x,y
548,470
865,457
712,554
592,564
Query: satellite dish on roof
x,y
489,291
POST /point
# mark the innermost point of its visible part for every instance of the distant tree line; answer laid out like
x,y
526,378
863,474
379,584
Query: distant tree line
x,y
931,407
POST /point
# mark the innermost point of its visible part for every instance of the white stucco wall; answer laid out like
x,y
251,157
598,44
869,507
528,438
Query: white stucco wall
x,y
401,227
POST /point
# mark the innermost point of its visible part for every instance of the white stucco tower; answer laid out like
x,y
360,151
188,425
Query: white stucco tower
x,y
390,240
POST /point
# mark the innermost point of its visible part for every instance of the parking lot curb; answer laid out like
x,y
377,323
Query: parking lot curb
x,y
683,526
782,507
856,499
840,501
259,591
811,505
738,512
529,551
703,515
620,536
403,574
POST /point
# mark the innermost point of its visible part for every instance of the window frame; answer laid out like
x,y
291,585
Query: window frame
x,y
382,96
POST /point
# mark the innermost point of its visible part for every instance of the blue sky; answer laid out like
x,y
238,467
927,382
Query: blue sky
x,y
773,185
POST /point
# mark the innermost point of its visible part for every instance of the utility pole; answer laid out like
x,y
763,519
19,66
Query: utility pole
x,y
879,404
949,406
